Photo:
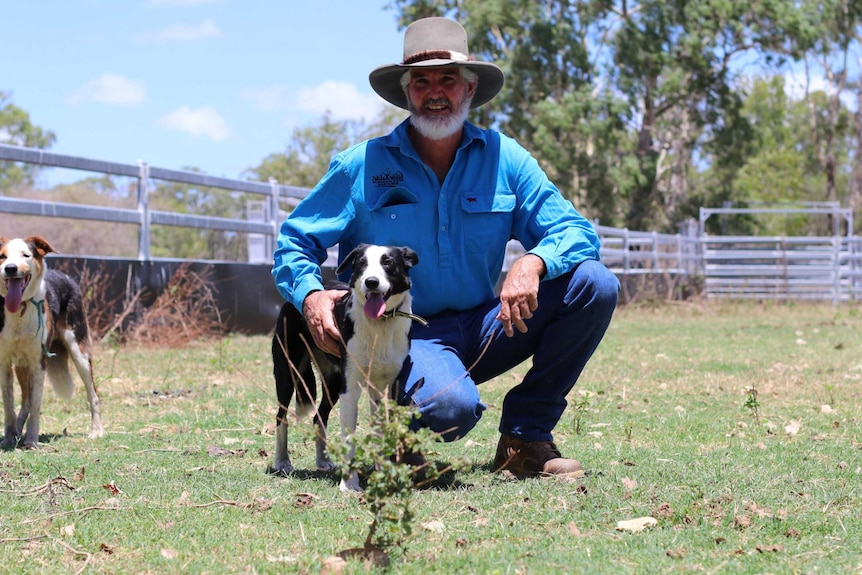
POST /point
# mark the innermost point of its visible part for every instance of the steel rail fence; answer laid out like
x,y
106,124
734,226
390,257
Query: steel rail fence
x,y
744,267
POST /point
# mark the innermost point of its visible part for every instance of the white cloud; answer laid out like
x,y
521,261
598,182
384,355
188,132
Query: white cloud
x,y
197,122
343,100
111,89
182,33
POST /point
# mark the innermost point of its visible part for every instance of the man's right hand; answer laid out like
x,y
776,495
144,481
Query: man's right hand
x,y
318,312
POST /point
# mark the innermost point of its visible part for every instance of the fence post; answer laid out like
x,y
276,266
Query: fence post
x,y
273,214
836,269
144,209
625,250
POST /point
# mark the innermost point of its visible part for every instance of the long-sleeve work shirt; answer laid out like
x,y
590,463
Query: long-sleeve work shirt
x,y
380,192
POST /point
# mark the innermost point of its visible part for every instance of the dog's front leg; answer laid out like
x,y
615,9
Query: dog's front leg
x,y
10,438
349,414
31,408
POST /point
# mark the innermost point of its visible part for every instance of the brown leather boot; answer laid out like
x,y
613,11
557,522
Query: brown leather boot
x,y
534,458
415,460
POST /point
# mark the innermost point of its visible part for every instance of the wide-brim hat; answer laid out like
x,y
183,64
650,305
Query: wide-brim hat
x,y
435,42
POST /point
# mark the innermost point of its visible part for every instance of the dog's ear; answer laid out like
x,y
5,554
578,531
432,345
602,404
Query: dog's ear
x,y
40,245
3,241
348,260
411,258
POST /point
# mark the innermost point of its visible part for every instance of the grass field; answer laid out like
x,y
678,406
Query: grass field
x,y
735,426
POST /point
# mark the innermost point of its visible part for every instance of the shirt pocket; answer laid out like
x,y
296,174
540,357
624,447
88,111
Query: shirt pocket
x,y
488,217
394,215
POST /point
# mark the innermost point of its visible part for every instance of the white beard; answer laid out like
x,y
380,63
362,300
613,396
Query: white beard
x,y
439,128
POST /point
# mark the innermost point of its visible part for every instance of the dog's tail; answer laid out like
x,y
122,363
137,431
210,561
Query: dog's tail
x,y
59,374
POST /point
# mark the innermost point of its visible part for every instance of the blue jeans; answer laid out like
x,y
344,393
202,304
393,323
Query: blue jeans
x,y
573,314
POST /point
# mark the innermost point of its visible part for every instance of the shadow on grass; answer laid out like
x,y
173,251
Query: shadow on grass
x,y
45,439
446,481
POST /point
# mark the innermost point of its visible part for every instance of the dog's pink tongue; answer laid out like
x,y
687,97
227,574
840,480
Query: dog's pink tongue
x,y
14,293
375,305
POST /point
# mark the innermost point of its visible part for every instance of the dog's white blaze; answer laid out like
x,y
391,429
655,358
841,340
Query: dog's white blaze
x,y
18,252
20,325
375,269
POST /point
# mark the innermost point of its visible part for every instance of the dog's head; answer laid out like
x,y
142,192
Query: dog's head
x,y
21,262
380,279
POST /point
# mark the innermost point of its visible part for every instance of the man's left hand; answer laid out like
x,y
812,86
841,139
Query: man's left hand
x,y
519,297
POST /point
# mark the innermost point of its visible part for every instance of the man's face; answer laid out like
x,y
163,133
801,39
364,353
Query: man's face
x,y
438,100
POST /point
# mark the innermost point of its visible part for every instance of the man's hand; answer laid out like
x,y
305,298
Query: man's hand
x,y
317,310
519,297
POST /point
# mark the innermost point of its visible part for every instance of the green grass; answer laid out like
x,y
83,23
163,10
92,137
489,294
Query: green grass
x,y
659,419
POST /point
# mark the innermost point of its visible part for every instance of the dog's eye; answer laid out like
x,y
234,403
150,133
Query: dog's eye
x,y
387,261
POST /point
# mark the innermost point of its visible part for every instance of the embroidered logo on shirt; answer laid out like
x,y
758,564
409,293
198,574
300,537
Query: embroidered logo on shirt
x,y
471,200
388,179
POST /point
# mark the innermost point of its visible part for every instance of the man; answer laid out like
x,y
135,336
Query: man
x,y
456,194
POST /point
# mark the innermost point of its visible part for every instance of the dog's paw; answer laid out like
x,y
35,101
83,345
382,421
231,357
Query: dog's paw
x,y
325,464
350,484
96,433
8,443
281,468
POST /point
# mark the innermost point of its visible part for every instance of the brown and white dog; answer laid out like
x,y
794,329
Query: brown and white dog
x,y
42,326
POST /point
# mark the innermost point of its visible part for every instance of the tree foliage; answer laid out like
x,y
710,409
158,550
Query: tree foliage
x,y
17,129
637,109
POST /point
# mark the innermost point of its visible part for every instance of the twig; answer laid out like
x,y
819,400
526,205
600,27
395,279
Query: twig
x,y
15,539
224,502
72,512
48,485
86,554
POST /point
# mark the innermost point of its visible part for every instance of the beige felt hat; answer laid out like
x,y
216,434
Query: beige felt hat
x,y
435,42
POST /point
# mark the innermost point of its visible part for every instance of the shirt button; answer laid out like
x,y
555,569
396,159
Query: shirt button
x,y
442,228
392,216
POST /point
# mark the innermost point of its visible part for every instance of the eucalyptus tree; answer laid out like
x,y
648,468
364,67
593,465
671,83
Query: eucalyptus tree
x,y
623,100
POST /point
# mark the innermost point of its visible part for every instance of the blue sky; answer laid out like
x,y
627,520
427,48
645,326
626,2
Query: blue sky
x,y
212,84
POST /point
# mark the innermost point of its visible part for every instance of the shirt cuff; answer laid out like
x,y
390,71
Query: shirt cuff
x,y
303,289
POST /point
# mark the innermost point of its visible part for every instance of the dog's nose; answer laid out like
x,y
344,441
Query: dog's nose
x,y
372,282
10,269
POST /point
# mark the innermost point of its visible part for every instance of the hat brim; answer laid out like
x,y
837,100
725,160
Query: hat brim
x,y
386,80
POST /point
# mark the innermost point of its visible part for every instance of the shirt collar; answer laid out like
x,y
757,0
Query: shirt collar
x,y
398,137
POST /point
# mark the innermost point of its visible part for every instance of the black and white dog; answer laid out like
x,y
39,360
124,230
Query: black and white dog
x,y
374,319
42,327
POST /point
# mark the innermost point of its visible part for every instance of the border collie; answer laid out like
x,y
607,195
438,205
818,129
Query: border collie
x,y
374,319
42,325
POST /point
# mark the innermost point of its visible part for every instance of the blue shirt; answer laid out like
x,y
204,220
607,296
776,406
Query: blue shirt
x,y
380,192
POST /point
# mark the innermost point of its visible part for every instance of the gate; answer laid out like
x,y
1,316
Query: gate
x,y
783,267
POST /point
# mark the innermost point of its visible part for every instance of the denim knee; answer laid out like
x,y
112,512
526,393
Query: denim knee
x,y
452,413
598,282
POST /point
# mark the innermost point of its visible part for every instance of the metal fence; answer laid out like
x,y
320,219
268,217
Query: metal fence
x,y
821,268
825,268
143,216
